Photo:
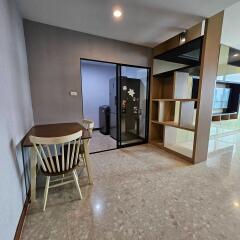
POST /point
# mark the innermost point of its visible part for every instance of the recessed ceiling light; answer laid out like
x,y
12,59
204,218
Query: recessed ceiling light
x,y
117,13
236,55
236,204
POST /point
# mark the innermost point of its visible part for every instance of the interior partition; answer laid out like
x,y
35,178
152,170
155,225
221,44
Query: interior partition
x,y
133,105
182,87
115,98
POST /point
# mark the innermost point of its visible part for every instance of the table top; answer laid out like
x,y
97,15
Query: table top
x,y
55,130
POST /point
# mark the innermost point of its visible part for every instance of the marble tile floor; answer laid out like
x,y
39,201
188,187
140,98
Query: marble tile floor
x,y
101,142
142,192
224,126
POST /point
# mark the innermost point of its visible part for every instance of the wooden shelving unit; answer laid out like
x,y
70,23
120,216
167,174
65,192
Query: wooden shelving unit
x,y
226,100
172,110
224,116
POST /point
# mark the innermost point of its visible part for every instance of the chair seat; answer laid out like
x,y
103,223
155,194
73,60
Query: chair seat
x,y
62,171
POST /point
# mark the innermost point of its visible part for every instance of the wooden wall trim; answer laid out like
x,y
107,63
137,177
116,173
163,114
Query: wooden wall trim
x,y
208,73
192,33
167,45
22,217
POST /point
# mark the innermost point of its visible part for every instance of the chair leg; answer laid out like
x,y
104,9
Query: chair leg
x,y
77,183
46,193
83,158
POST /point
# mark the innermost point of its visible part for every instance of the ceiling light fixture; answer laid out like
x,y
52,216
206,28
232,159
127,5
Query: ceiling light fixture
x,y
182,37
117,13
236,204
183,40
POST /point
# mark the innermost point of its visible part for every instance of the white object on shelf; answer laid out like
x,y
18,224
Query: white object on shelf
x,y
170,136
186,117
161,111
177,111
182,85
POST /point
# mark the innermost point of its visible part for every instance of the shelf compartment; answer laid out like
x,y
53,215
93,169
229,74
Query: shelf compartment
x,y
179,140
163,87
216,118
154,112
157,134
174,85
168,111
225,117
233,115
175,113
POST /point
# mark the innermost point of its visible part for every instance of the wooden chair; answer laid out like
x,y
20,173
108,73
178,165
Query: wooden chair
x,y
89,125
53,164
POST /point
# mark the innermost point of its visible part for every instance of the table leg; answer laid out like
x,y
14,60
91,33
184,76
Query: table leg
x,y
33,160
88,163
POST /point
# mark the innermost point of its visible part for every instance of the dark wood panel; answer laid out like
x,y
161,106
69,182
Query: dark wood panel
x,y
188,53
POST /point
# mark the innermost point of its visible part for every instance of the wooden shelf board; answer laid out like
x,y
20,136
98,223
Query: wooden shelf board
x,y
174,124
174,100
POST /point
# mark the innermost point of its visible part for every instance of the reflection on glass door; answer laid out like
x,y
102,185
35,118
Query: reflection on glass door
x,y
133,96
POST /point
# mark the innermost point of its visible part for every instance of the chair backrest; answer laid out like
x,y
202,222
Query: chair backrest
x,y
48,152
88,124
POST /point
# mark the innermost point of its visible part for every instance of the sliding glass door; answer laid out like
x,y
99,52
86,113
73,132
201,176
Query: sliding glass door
x,y
132,95
115,97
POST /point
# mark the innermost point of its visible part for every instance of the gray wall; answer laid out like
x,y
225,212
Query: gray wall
x,y
95,87
54,58
15,116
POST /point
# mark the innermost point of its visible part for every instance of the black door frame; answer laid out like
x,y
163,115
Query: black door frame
x,y
118,95
119,140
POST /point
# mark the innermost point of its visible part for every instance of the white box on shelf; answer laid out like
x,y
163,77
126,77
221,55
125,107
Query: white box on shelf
x,y
186,118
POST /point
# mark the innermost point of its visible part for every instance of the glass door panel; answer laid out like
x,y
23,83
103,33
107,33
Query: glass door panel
x,y
133,105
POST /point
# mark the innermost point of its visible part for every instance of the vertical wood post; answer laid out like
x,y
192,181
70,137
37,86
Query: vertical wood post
x,y
208,73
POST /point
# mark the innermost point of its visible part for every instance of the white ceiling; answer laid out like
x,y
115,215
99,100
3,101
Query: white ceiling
x,y
144,22
231,23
